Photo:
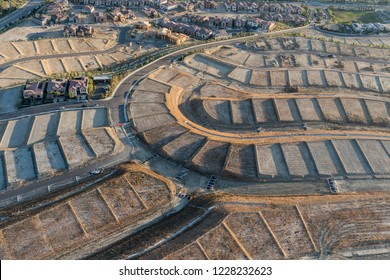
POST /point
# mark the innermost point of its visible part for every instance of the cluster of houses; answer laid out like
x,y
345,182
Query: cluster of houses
x,y
375,27
357,28
216,23
237,6
116,14
204,27
57,88
55,12
192,30
150,12
72,30
166,34
288,13
240,23
165,5
233,6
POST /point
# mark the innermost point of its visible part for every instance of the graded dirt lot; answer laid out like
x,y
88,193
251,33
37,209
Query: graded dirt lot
x,y
313,132
93,216
327,227
19,73
44,145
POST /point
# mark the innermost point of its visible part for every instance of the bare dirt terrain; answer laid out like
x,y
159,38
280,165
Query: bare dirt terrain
x,y
250,227
250,134
226,131
134,193
46,145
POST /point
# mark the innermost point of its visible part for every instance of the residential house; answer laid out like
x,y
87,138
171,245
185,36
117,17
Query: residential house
x,y
356,27
169,6
200,20
70,30
265,8
221,34
220,22
85,31
166,34
203,33
78,87
199,4
56,8
163,21
177,38
144,25
34,90
381,27
116,16
370,27
239,22
186,18
185,6
230,6
56,88
100,17
252,23
129,14
150,12
210,4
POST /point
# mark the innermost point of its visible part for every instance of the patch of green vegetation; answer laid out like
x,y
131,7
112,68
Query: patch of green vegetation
x,y
346,16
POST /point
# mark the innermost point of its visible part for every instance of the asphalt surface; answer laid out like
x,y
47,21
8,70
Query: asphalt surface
x,y
25,10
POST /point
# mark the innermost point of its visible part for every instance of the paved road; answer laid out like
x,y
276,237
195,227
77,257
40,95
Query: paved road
x,y
25,10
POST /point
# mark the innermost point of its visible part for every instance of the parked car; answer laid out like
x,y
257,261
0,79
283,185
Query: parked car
x,y
96,171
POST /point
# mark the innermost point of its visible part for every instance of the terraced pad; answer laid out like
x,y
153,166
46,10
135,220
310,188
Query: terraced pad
x,y
162,135
211,157
254,235
26,240
292,235
220,245
241,161
184,146
152,121
58,220
93,212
